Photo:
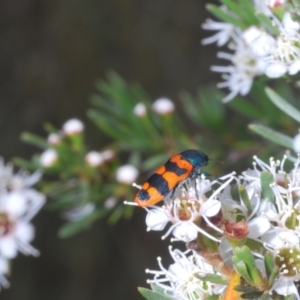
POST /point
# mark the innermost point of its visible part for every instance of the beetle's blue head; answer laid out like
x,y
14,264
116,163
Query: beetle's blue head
x,y
196,157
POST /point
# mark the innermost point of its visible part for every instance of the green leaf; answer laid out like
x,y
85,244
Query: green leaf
x,y
154,161
242,270
151,295
244,196
272,135
205,109
73,228
213,278
244,261
212,297
283,105
267,23
296,3
251,295
225,16
243,9
34,140
25,164
269,263
157,289
264,296
273,275
266,178
247,108
245,289
289,297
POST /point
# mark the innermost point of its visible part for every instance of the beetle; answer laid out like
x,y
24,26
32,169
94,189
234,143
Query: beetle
x,y
167,177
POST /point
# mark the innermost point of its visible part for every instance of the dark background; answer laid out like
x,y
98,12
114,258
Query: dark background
x,y
51,53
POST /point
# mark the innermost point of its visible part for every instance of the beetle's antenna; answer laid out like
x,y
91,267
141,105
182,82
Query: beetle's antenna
x,y
130,203
219,161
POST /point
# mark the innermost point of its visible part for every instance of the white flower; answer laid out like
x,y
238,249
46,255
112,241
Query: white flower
x,y
16,181
186,209
281,53
140,110
182,280
94,158
163,106
127,174
16,233
259,42
48,158
19,203
286,252
222,37
238,78
73,126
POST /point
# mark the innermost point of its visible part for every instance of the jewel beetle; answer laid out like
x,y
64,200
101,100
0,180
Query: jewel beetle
x,y
167,177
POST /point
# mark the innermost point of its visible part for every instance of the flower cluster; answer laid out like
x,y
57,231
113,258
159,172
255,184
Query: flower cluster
x,y
235,228
267,44
19,203
65,154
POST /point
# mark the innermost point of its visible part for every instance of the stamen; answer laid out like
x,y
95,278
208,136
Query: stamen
x,y
130,203
137,185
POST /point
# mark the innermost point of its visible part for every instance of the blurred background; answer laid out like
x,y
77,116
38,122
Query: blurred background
x,y
50,56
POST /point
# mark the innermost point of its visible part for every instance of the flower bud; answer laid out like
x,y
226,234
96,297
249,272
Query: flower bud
x,y
54,139
140,110
108,154
127,174
110,202
236,233
94,159
163,106
48,158
73,126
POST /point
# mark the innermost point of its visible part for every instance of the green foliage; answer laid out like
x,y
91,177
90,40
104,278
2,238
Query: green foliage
x,y
153,295
114,115
272,135
238,13
245,265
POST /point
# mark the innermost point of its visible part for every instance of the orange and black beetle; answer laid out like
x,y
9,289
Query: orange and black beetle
x,y
167,177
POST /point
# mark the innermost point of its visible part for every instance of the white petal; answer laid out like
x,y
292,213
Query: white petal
x,y
178,270
294,67
275,70
273,239
156,219
289,236
211,208
285,286
289,25
260,43
8,247
15,204
24,232
258,226
185,232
